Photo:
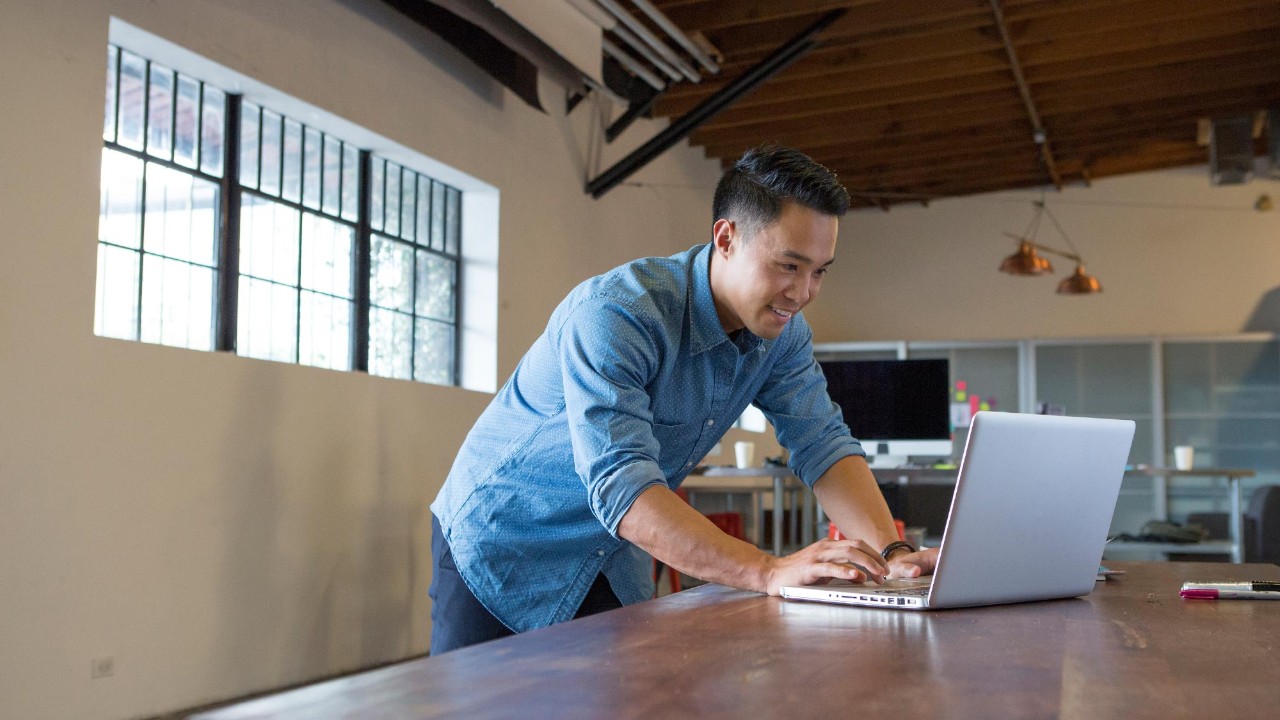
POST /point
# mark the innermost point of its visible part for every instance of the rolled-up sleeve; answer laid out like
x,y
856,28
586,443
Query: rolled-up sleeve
x,y
607,361
794,398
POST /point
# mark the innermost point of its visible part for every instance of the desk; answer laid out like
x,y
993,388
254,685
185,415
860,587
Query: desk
x,y
1234,545
1161,477
1131,649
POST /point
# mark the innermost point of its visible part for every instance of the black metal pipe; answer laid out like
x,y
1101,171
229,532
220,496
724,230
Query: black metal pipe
x,y
229,229
633,112
712,106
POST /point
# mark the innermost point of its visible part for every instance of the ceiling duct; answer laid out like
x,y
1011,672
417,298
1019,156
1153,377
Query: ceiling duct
x,y
564,28
1231,150
519,41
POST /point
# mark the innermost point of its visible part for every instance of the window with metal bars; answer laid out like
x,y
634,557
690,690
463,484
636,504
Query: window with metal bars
x,y
225,225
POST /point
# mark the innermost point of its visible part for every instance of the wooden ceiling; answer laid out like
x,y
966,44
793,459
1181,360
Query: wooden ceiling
x,y
909,100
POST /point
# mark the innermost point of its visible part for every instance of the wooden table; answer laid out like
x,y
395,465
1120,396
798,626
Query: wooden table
x,y
1131,649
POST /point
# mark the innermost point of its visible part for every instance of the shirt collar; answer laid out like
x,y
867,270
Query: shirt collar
x,y
705,329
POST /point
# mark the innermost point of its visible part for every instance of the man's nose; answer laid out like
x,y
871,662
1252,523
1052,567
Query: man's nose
x,y
800,289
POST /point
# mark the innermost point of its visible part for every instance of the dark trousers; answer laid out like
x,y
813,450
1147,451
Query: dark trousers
x,y
457,617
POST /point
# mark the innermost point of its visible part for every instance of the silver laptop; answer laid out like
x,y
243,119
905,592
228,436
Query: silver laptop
x,y
1028,521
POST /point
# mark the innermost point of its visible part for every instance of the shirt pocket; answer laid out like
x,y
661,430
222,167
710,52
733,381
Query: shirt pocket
x,y
675,444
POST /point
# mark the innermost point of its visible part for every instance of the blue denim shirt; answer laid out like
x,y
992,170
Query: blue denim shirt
x,y
630,385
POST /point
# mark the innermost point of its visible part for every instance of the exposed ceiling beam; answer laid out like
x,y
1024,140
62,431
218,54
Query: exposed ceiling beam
x,y
1097,43
1039,135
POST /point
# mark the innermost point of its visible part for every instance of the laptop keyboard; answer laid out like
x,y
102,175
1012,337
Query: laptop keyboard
x,y
921,591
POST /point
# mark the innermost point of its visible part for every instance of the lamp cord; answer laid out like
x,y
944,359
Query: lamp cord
x,y
1034,226
1061,232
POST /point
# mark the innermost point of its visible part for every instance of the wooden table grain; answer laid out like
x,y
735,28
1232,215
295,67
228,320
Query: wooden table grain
x,y
1130,649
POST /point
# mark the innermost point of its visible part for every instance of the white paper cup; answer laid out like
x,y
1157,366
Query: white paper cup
x,y
745,453
1183,457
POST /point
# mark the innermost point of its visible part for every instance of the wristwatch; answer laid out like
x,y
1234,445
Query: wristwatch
x,y
896,545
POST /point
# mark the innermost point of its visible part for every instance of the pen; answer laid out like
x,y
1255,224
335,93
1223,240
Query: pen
x,y
1255,590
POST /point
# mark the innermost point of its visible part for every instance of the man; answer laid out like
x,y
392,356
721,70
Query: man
x,y
567,479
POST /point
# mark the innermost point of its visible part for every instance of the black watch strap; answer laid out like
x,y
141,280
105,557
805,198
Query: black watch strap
x,y
896,545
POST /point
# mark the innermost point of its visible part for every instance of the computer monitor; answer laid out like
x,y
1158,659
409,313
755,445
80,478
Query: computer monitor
x,y
896,408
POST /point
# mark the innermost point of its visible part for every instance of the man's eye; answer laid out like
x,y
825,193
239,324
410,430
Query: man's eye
x,y
789,267
821,272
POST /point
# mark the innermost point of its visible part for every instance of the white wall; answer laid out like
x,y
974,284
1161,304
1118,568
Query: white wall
x,y
219,525
1174,255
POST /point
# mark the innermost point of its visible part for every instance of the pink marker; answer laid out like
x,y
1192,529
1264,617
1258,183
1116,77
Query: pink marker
x,y
1256,590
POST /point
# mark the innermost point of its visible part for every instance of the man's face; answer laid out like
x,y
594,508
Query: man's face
x,y
761,282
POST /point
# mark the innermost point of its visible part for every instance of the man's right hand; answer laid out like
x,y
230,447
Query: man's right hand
x,y
824,561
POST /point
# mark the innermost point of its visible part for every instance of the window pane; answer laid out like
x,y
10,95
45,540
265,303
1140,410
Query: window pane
x,y
433,352
326,255
437,216
391,267
182,215
177,303
350,182
311,192
160,113
435,286
116,304
249,136
268,322
390,344
332,174
453,222
212,127
109,118
325,332
268,240
269,182
291,187
120,210
393,199
377,182
424,211
408,196
133,85
186,122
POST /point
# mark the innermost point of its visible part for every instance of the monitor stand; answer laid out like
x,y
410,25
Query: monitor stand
x,y
887,461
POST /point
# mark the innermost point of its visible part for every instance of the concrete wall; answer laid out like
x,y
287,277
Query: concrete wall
x,y
217,525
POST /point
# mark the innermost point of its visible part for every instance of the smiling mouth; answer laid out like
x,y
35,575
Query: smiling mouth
x,y
784,314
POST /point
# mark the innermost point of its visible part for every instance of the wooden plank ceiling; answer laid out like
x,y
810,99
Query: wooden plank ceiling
x,y
910,100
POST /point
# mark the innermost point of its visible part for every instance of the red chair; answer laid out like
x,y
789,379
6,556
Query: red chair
x,y
728,522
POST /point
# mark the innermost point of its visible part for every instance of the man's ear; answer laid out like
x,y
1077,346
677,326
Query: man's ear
x,y
724,234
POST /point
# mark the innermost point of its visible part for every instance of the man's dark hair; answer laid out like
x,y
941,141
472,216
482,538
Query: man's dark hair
x,y
752,192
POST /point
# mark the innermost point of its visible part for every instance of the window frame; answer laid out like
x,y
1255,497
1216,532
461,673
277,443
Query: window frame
x,y
226,320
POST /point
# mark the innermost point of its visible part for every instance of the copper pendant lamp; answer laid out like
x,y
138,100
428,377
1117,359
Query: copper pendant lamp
x,y
1026,261
1079,283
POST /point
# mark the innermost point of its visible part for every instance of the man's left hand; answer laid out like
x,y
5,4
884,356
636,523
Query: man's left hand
x,y
910,565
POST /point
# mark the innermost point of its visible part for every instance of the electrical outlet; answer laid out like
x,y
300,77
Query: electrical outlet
x,y
102,668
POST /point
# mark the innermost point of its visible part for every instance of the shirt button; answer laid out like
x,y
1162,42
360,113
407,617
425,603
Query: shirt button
x,y
710,423
600,553
688,464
